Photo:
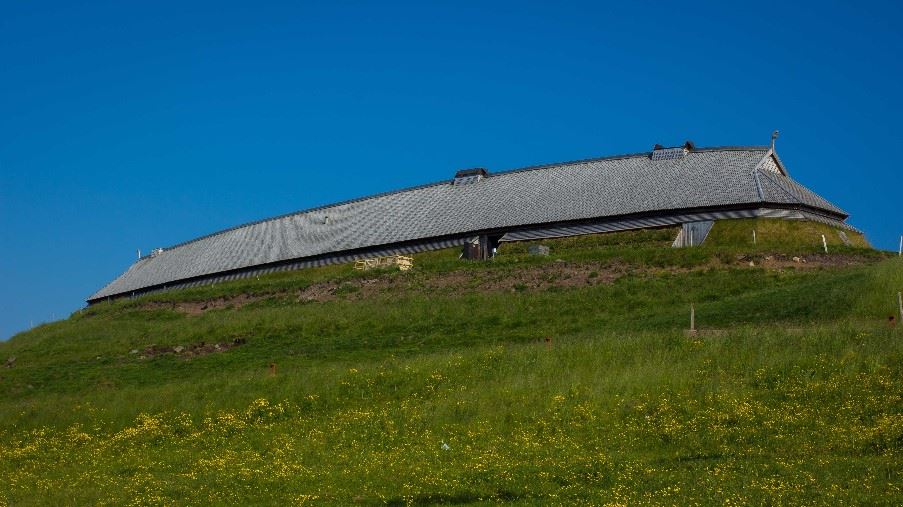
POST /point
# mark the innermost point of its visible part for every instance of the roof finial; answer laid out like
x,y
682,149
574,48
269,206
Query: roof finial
x,y
774,136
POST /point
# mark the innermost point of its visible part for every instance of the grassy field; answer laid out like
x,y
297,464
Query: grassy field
x,y
526,380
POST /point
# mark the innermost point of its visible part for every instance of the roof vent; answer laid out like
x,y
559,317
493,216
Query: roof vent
x,y
468,176
660,153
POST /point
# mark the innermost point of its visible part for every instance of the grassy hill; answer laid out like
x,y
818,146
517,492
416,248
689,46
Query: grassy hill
x,y
567,379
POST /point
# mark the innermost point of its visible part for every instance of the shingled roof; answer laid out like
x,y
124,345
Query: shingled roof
x,y
570,192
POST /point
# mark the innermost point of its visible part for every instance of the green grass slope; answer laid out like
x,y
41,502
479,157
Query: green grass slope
x,y
528,380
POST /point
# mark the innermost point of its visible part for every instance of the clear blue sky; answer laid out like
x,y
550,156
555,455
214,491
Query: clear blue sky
x,y
129,125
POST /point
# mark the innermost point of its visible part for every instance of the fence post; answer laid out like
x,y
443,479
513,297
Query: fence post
x,y
692,319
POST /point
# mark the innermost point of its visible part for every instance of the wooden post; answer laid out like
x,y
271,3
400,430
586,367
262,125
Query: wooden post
x,y
692,320
273,369
824,243
549,342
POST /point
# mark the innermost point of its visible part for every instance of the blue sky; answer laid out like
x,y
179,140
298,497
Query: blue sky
x,y
127,125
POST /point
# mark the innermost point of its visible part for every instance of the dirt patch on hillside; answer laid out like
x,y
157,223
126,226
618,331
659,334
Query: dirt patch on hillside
x,y
782,261
193,350
557,274
553,275
550,276
199,307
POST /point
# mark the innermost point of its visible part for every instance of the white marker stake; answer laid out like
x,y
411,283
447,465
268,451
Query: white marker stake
x,y
754,236
692,319
900,251
824,243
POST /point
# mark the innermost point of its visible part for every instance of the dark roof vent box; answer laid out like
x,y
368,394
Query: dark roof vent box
x,y
468,176
659,152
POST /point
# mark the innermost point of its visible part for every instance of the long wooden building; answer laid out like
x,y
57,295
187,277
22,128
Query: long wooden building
x,y
663,187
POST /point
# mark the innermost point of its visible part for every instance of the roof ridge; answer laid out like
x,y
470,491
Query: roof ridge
x,y
800,198
755,173
780,185
621,157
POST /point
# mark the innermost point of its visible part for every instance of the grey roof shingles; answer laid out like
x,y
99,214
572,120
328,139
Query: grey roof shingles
x,y
569,191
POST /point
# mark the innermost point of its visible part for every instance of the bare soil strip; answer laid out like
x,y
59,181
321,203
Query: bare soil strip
x,y
558,274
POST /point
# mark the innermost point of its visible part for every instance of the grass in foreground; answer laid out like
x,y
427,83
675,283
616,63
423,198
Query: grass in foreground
x,y
753,416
